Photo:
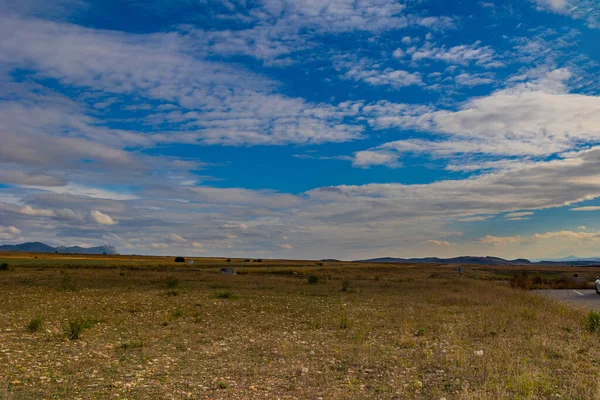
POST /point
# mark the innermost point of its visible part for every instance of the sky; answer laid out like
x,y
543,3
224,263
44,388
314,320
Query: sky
x,y
345,129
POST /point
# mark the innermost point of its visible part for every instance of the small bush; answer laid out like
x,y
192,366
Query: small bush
x,y
223,385
66,284
172,283
76,327
176,314
134,344
344,322
3,267
313,279
521,280
420,332
225,294
35,325
228,260
592,321
346,285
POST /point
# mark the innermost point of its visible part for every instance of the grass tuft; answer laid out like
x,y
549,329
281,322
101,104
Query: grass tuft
x,y
66,283
592,321
4,267
346,285
77,326
35,325
225,294
313,279
133,344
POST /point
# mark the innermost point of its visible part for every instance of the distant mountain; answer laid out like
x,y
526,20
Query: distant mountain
x,y
484,261
574,258
39,247
31,247
456,260
88,250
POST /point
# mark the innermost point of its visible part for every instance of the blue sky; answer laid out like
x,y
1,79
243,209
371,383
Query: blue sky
x,y
301,129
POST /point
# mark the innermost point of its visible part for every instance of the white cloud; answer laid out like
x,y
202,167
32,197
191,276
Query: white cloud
x,y
368,158
28,210
555,5
175,238
475,53
533,119
374,75
439,242
9,232
518,215
217,102
586,208
98,217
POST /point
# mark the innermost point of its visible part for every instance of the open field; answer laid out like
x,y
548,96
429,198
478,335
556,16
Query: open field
x,y
151,328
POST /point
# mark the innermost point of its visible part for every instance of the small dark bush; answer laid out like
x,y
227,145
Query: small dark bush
x,y
176,314
344,322
35,325
179,259
66,283
592,321
313,279
172,283
346,285
223,385
173,292
134,344
3,267
246,260
228,260
521,280
76,327
225,294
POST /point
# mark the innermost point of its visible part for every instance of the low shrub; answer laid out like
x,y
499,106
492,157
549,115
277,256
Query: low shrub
x,y
35,325
346,285
76,327
134,344
313,279
344,322
3,267
592,321
172,282
225,294
521,280
66,283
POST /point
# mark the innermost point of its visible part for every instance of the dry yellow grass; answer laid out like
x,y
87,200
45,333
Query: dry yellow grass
x,y
399,332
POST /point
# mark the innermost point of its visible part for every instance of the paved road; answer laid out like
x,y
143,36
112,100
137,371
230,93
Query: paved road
x,y
587,298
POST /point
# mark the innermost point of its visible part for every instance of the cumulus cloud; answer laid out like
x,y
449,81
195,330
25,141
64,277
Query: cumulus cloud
x,y
9,232
368,158
532,119
28,210
98,217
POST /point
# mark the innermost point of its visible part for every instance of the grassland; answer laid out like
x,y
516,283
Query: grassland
x,y
149,328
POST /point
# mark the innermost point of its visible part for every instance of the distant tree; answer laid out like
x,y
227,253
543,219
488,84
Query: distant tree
x,y
179,259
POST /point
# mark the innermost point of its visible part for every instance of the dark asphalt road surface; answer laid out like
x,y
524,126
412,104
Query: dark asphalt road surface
x,y
587,298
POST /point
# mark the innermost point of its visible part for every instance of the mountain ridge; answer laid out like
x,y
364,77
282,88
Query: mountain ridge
x,y
39,247
482,260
